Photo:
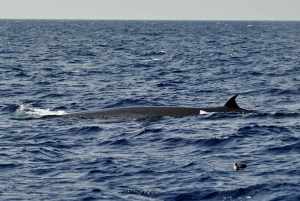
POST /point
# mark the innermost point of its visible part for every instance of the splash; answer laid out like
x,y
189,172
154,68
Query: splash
x,y
204,112
24,112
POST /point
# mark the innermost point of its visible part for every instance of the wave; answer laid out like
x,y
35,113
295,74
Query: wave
x,y
138,192
151,53
257,192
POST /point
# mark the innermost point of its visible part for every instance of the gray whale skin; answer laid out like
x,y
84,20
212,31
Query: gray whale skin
x,y
156,111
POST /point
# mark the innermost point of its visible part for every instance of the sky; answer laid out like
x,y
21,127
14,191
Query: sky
x,y
151,9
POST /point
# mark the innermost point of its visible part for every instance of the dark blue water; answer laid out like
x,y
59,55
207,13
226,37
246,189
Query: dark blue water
x,y
58,67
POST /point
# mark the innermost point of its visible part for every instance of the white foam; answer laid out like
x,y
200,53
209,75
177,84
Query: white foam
x,y
204,112
46,112
24,112
273,113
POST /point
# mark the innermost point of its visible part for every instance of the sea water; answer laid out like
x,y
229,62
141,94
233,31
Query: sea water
x,y
59,67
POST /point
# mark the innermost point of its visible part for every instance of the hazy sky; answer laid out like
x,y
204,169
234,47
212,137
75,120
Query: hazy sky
x,y
151,9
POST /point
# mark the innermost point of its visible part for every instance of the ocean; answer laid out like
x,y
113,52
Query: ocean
x,y
60,67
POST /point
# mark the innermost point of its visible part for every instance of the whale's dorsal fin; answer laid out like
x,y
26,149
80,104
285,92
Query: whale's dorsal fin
x,y
231,102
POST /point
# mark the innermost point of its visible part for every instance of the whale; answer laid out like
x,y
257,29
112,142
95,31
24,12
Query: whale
x,y
158,111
